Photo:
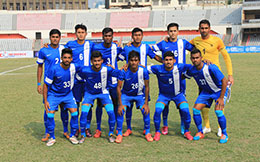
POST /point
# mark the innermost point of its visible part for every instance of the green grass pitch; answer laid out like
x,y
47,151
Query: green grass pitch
x,y
21,123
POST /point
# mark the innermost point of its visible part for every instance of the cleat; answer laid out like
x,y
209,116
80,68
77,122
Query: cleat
x,y
219,132
46,137
144,132
116,131
157,136
206,130
165,130
188,136
149,137
223,139
127,133
51,142
198,136
182,129
97,134
77,133
66,135
119,139
74,140
111,138
82,140
88,133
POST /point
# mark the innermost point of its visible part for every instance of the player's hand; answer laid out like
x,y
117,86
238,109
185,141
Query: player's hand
x,y
166,39
124,67
146,109
111,66
207,62
46,45
46,106
220,104
120,110
39,89
118,44
231,79
129,43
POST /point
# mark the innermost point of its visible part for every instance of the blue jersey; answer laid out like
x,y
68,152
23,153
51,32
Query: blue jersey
x,y
169,81
178,48
50,57
81,52
134,82
97,82
110,56
208,78
60,81
143,49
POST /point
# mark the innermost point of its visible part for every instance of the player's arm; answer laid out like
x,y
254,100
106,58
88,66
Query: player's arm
x,y
228,62
39,78
153,50
220,100
145,106
119,93
46,103
158,58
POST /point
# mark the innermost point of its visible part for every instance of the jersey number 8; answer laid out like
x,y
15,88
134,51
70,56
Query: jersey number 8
x,y
97,85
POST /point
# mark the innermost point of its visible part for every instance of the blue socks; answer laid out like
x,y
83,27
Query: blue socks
x,y
74,126
128,116
120,120
157,118
221,121
111,118
64,115
165,115
51,124
197,119
45,118
146,119
185,114
83,118
99,112
89,117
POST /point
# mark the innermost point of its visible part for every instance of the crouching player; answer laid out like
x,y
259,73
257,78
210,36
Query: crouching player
x,y
135,89
57,90
213,85
169,79
96,87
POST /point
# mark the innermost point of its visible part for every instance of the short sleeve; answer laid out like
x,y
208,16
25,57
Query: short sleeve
x,y
146,74
151,53
41,57
188,45
121,75
49,77
157,47
152,69
216,72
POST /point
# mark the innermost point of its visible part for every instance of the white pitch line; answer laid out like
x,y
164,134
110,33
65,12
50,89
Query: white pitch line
x,y
20,74
23,67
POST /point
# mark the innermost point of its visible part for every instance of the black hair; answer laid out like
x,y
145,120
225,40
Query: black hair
x,y
133,54
95,54
107,30
194,51
168,53
137,30
54,31
204,21
80,26
66,51
172,25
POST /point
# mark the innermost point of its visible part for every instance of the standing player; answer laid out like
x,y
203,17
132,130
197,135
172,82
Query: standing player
x,y
49,57
178,47
135,89
81,49
210,47
111,54
57,90
144,50
169,80
96,87
213,84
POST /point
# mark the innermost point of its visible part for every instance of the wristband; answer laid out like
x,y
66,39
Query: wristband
x,y
38,84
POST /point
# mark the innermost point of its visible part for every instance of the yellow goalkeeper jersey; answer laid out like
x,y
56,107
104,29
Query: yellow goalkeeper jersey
x,y
210,49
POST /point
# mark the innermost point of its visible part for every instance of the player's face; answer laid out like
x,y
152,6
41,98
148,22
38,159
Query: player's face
x,y
97,62
196,59
134,62
81,34
66,59
204,30
55,39
137,37
108,37
173,33
168,62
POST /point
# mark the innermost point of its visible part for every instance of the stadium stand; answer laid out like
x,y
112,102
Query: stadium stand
x,y
225,16
253,40
6,22
16,44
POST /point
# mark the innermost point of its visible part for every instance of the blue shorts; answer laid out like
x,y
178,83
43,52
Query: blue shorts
x,y
177,99
207,98
128,100
67,101
90,98
78,91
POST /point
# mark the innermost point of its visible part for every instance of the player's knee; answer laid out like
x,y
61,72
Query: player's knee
x,y
50,115
74,114
219,113
159,105
85,108
196,111
184,105
109,107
